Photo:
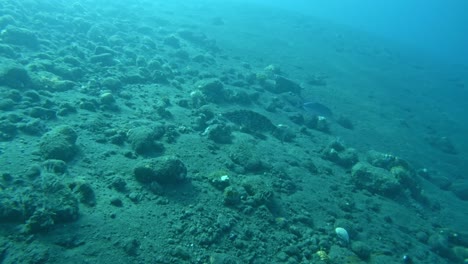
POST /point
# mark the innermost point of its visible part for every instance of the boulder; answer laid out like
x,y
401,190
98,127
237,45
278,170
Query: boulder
x,y
375,180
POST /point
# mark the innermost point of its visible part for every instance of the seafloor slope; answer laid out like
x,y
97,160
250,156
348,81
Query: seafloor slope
x,y
177,133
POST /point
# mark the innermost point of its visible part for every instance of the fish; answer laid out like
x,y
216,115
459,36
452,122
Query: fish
x,y
317,109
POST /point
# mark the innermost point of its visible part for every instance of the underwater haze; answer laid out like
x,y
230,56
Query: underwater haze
x,y
208,131
439,28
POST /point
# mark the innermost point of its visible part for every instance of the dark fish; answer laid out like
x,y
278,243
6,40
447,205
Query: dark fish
x,y
317,109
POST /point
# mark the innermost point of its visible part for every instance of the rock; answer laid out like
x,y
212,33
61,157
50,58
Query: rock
x,y
59,144
443,144
339,154
219,179
19,36
105,59
460,189
385,161
54,166
41,220
284,85
219,133
232,195
250,121
172,41
163,170
85,193
317,122
143,139
62,86
7,104
53,203
258,193
439,244
42,113
131,246
361,249
116,201
6,20
35,127
7,130
375,180
212,89
13,75
107,98
112,84
221,258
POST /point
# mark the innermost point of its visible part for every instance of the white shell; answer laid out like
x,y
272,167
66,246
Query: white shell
x,y
342,234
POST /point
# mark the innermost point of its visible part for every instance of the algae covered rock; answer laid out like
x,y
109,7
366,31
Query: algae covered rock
x,y
284,85
250,121
163,170
212,90
460,189
258,192
401,170
337,153
59,144
38,203
375,180
385,161
19,36
13,75
219,133
143,139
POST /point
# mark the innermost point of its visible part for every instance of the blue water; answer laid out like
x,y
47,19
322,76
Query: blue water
x,y
437,27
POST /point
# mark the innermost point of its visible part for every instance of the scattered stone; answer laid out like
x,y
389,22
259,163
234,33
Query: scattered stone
x,y
143,139
172,41
219,179
374,179
111,84
221,258
59,144
443,144
438,242
33,127
219,133
317,122
85,193
42,113
7,104
361,249
7,131
13,75
337,153
385,161
232,195
212,90
131,246
284,85
250,121
54,166
460,189
19,36
107,99
105,59
116,202
164,170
